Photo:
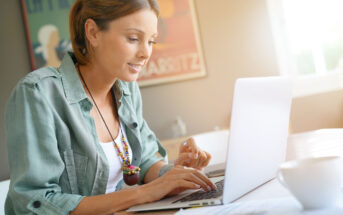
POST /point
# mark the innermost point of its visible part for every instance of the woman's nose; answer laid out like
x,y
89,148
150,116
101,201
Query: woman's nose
x,y
144,51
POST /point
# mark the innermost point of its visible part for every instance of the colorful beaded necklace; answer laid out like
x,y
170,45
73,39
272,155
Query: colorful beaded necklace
x,y
130,173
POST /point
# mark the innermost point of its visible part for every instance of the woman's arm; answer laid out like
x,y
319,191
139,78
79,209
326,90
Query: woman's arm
x,y
120,200
153,171
110,203
176,180
35,163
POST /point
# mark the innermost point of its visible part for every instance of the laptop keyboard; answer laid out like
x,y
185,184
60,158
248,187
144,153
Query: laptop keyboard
x,y
216,173
201,194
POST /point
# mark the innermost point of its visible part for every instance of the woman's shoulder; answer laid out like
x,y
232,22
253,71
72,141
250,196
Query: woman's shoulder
x,y
40,75
38,82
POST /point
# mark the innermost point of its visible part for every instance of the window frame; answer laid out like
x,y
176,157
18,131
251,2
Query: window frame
x,y
303,85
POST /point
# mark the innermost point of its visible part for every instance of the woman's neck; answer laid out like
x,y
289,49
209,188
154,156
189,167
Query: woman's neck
x,y
97,81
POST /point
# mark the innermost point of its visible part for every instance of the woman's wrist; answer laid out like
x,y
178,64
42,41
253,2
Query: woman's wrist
x,y
164,169
142,195
132,196
153,172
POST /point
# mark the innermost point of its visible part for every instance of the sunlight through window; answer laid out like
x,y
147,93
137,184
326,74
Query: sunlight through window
x,y
308,37
315,33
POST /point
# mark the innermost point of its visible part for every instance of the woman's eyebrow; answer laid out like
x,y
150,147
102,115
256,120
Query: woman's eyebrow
x,y
141,31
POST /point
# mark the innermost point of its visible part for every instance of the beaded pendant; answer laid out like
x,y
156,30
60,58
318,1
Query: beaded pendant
x,y
130,172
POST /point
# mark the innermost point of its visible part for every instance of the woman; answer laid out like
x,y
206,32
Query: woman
x,y
75,132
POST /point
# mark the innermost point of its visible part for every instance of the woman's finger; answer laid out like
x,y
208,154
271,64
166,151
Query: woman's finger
x,y
184,147
184,159
189,146
182,184
178,179
208,156
194,178
206,160
197,173
188,159
195,163
202,158
204,178
194,148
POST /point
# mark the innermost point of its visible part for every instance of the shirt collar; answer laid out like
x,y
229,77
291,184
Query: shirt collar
x,y
121,88
72,85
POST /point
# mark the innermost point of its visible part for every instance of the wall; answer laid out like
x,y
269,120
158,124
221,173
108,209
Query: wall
x,y
14,64
323,110
237,42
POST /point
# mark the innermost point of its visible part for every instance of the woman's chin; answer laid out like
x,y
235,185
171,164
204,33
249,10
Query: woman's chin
x,y
130,78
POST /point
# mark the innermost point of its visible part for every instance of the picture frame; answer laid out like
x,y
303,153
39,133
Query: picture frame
x,y
178,53
46,25
176,56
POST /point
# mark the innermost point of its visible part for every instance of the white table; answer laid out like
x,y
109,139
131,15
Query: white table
x,y
301,145
314,143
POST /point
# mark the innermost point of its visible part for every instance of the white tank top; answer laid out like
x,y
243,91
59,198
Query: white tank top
x,y
114,161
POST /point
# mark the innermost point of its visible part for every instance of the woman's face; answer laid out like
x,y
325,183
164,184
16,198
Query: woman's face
x,y
125,47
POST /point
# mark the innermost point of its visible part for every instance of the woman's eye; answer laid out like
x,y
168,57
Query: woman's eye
x,y
132,39
152,42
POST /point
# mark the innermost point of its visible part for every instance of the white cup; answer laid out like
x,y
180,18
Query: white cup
x,y
315,182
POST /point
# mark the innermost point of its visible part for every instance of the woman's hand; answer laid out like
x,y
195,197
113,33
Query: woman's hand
x,y
175,181
191,155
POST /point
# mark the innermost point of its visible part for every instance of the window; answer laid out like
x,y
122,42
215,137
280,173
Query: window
x,y
309,42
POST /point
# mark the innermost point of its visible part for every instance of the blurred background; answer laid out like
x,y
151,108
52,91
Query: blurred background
x,y
298,38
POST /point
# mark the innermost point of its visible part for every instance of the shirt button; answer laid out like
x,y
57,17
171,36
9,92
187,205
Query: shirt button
x,y
134,125
36,204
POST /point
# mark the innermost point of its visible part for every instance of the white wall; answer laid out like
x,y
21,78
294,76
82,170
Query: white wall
x,y
237,42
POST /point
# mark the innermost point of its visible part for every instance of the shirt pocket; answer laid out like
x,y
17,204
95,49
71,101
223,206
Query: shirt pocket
x,y
75,167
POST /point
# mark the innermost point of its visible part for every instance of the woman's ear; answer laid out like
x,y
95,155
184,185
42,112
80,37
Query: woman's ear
x,y
92,32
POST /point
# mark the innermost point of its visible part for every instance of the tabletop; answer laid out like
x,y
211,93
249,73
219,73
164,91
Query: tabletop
x,y
313,143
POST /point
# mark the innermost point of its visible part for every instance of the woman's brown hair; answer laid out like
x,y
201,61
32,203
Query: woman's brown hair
x,y
102,12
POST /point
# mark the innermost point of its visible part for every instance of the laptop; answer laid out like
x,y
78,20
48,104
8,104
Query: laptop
x,y
256,145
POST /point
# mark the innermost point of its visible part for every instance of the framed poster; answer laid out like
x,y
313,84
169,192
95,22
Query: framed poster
x,y
47,30
176,56
178,53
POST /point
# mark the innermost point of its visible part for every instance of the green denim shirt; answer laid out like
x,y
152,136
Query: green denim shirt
x,y
54,153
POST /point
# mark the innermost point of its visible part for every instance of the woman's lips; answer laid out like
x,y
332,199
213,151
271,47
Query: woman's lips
x,y
135,67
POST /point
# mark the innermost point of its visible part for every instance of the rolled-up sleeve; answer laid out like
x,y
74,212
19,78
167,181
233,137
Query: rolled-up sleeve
x,y
34,158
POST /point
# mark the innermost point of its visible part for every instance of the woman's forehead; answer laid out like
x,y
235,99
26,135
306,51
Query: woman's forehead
x,y
142,21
